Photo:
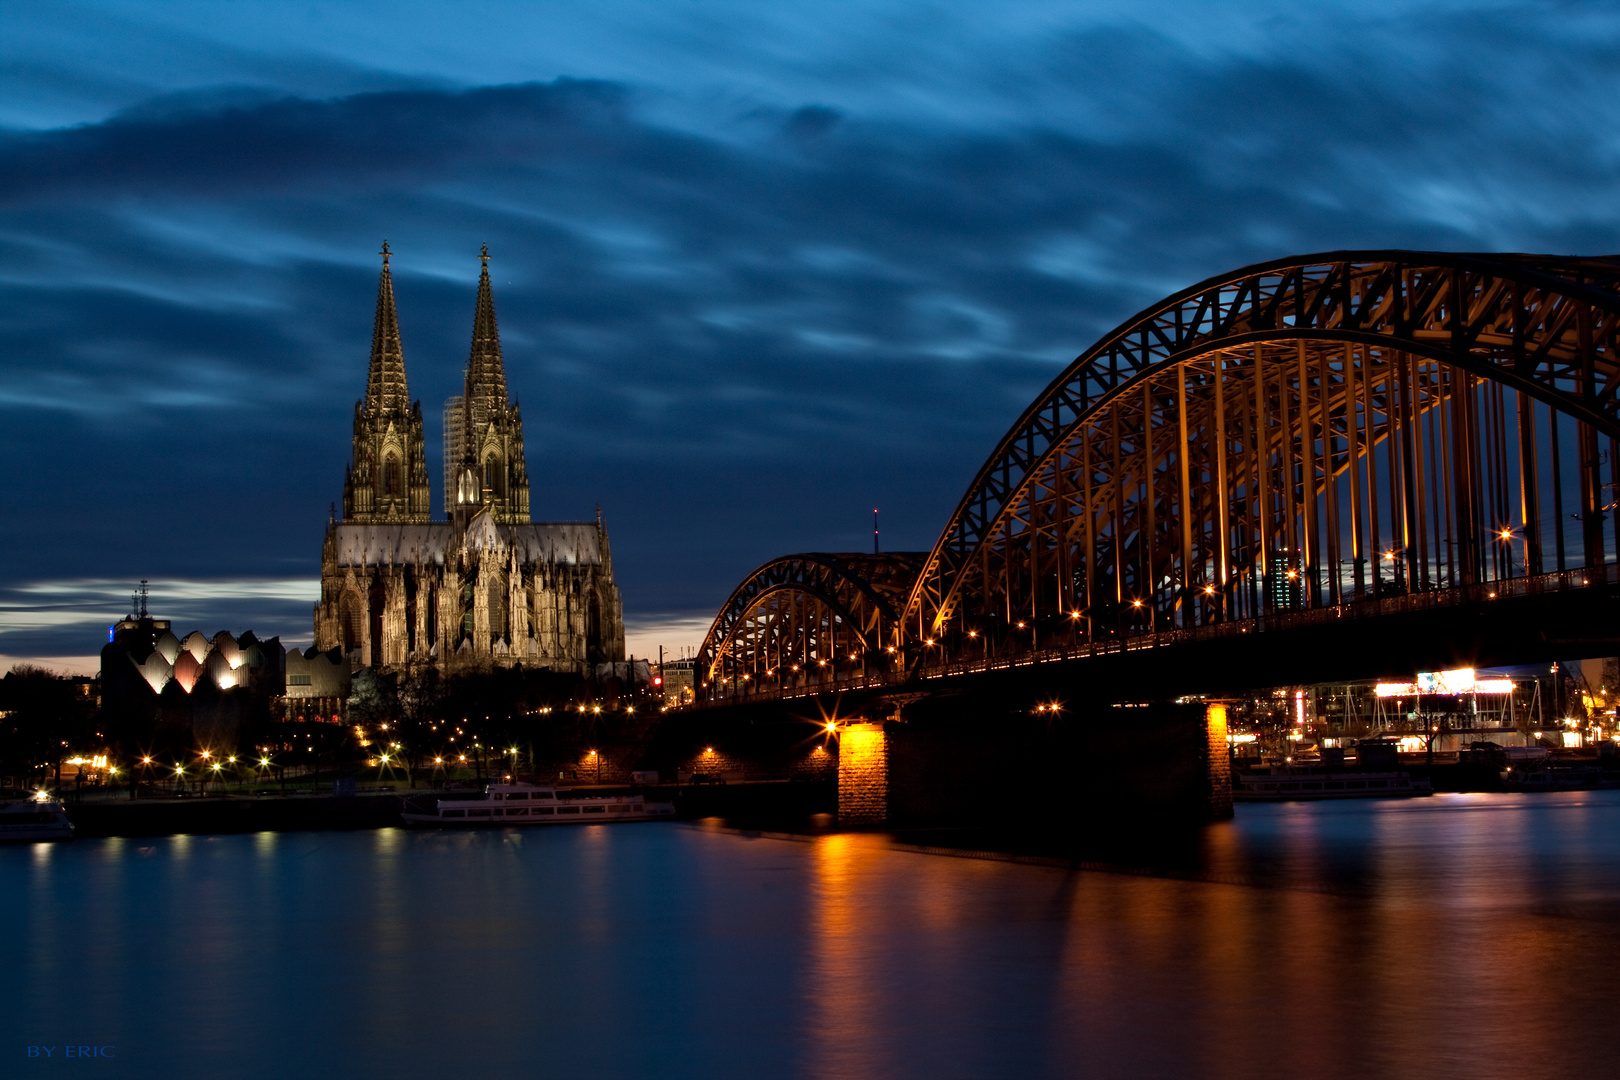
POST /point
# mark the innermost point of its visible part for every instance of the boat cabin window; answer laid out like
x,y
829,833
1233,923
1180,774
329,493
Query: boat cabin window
x,y
455,813
596,809
544,810
517,795
544,795
567,809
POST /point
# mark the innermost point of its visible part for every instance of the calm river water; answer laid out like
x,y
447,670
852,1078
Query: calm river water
x,y
1466,935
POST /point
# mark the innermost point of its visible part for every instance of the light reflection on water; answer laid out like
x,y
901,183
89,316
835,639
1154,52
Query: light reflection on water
x,y
1458,935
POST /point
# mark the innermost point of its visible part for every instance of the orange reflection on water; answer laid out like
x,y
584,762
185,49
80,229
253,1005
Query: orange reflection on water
x,y
845,1037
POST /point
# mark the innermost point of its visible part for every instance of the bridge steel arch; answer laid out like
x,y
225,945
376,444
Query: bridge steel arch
x,y
1300,433
803,620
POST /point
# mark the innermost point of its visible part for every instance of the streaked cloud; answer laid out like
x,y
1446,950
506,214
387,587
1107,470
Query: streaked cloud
x,y
758,268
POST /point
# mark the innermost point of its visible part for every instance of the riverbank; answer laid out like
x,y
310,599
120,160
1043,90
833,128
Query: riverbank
x,y
764,801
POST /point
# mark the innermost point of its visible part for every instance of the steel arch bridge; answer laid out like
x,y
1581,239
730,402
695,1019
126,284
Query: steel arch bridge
x,y
1304,434
809,620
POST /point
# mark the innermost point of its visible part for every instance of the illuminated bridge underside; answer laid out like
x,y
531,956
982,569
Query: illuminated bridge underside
x,y
1300,435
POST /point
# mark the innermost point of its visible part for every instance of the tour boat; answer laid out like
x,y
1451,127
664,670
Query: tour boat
x,y
1301,785
38,817
520,803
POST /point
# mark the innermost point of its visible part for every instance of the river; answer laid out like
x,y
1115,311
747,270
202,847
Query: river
x,y
1460,935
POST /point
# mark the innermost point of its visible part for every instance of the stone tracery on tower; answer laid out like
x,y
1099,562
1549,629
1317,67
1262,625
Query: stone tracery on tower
x,y
487,587
387,479
491,470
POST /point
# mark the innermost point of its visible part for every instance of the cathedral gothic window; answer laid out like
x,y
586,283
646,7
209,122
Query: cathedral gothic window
x,y
349,615
391,476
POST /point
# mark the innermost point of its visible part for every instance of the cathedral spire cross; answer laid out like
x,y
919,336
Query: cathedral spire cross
x,y
486,371
386,389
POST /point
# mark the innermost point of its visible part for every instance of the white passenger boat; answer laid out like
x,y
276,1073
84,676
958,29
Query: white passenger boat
x,y
1301,784
36,817
512,804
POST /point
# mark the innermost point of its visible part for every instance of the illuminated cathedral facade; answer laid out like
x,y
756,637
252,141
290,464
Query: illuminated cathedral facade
x,y
485,588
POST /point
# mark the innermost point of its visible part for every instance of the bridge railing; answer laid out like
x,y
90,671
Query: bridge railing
x,y
1365,608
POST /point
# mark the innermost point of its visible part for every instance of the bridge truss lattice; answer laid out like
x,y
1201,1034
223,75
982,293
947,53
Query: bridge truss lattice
x,y
1300,434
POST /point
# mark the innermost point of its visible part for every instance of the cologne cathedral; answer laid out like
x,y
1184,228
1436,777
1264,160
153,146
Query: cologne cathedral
x,y
485,588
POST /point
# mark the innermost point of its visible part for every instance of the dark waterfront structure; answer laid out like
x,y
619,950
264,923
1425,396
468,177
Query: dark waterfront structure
x,y
1329,467
158,689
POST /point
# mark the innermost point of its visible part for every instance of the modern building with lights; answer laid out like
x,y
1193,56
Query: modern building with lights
x,y
488,587
194,688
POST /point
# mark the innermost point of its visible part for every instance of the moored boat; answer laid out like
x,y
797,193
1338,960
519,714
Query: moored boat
x,y
514,804
35,817
1307,785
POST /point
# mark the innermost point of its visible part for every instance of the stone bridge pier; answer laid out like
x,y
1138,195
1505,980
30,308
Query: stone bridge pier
x,y
1070,772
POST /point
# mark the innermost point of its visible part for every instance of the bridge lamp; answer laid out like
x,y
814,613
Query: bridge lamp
x,y
930,641
146,761
1134,603
264,762
1020,626
438,761
832,726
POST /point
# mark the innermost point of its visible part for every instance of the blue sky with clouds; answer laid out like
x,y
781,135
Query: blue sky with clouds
x,y
759,268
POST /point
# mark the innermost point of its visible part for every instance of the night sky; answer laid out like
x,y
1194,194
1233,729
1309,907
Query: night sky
x,y
759,267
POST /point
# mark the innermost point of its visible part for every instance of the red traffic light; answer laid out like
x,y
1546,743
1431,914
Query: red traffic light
x,y
658,680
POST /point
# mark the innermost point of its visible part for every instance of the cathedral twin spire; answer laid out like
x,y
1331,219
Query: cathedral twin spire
x,y
387,481
492,472
385,386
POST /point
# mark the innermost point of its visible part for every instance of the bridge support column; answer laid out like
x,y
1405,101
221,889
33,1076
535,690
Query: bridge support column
x,y
863,774
1220,760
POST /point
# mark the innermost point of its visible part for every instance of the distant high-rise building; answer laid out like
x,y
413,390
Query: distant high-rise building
x,y
1285,581
454,431
486,587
